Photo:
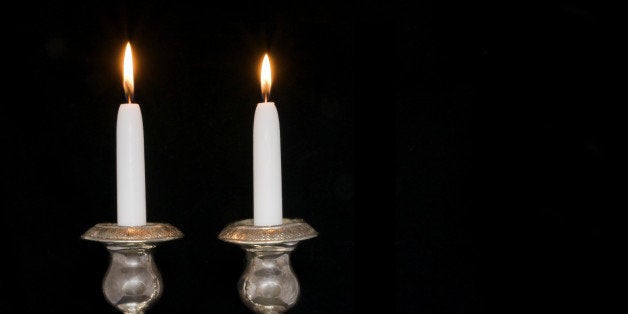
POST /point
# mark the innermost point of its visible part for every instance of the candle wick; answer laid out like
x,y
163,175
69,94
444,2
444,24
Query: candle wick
x,y
128,90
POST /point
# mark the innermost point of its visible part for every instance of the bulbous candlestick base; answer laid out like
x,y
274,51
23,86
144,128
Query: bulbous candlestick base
x,y
268,284
132,283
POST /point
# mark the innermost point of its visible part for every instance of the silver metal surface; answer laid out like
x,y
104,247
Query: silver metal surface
x,y
151,232
268,284
132,283
244,232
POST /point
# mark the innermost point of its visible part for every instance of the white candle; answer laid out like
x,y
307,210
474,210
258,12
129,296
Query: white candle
x,y
267,199
130,155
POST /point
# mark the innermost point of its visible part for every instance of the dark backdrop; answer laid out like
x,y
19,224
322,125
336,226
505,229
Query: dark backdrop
x,y
454,157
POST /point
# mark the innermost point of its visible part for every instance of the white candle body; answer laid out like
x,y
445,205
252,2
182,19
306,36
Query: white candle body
x,y
130,166
267,199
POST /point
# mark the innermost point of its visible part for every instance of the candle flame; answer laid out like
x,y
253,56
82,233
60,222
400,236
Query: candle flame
x,y
128,72
266,78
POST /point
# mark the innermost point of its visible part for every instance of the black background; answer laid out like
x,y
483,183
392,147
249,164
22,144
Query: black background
x,y
454,157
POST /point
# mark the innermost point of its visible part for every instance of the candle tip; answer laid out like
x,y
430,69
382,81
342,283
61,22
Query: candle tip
x,y
265,79
128,73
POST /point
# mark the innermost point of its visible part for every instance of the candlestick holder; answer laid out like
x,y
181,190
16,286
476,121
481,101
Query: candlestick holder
x,y
132,283
268,285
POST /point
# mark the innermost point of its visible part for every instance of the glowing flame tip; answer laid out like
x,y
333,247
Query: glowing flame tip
x,y
128,73
266,78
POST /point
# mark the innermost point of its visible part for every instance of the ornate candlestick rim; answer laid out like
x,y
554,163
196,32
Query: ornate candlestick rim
x,y
244,232
149,233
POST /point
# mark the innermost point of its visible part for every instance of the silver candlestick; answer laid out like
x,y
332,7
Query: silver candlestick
x,y
268,284
132,283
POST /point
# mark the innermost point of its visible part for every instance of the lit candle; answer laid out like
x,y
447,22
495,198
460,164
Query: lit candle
x,y
130,155
267,202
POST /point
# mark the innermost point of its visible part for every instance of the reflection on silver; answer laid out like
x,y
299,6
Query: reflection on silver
x,y
132,283
268,284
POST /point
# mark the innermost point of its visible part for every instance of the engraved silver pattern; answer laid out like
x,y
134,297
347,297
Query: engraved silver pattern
x,y
244,232
151,232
